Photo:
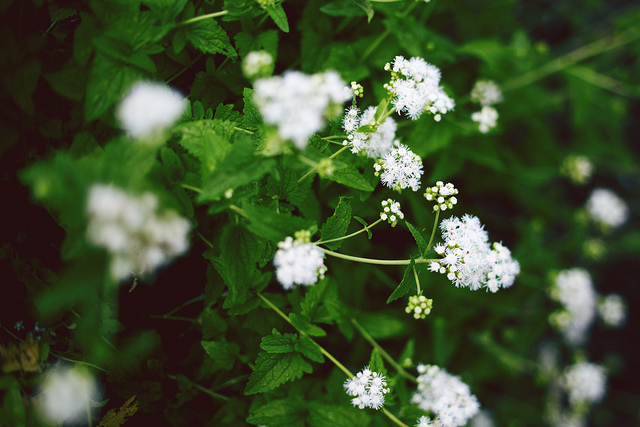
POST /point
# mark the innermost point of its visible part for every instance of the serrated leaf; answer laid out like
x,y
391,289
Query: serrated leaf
x,y
365,225
208,140
267,40
209,37
376,363
407,284
303,325
351,177
277,343
306,346
278,15
252,118
238,260
280,412
337,224
324,415
273,226
227,113
272,370
419,238
223,353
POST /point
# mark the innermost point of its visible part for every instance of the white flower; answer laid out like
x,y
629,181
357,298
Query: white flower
x,y
371,144
443,195
257,63
391,212
400,168
446,395
66,394
298,263
367,389
419,90
578,168
469,260
574,290
585,381
606,208
486,93
612,310
295,102
148,109
487,118
130,229
425,421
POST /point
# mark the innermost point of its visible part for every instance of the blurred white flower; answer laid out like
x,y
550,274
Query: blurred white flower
x,y
66,394
577,168
612,310
486,93
148,109
607,209
585,381
487,118
257,64
574,289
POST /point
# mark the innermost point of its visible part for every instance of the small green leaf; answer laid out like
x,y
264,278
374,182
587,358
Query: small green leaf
x,y
252,118
172,163
303,325
407,284
272,370
365,224
376,363
197,110
280,412
238,259
324,415
419,238
337,224
279,17
223,353
273,226
306,346
209,37
277,343
351,177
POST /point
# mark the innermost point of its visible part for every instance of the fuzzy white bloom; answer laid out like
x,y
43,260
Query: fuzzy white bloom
x,y
425,421
574,290
443,195
391,212
446,395
367,388
468,258
612,310
137,237
487,118
296,102
298,262
257,63
400,168
486,93
66,394
577,168
148,109
606,208
585,381
415,86
371,144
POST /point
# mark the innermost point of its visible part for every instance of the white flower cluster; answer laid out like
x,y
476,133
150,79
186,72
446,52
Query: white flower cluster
x,y
446,395
257,64
371,144
298,262
400,168
487,118
577,168
585,381
573,288
137,237
66,394
425,421
149,108
486,92
296,102
468,259
415,86
367,388
443,194
420,306
391,212
607,209
612,310
357,89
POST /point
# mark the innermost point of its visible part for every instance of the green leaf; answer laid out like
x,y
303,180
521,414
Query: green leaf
x,y
273,226
267,40
280,412
407,284
272,370
365,224
124,52
68,82
209,37
197,110
21,83
324,415
308,348
351,177
303,325
376,363
382,324
223,353
337,224
419,238
252,118
349,8
277,343
208,140
276,13
238,259
172,163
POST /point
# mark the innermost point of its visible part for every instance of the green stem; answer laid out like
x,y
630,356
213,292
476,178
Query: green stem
x,y
202,17
600,46
312,170
204,239
376,261
89,418
433,232
386,32
415,275
78,362
244,130
183,305
366,227
384,354
238,210
168,317
393,418
201,388
192,188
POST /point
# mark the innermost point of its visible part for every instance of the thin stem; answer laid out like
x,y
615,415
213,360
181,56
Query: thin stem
x,y
89,418
384,354
244,130
167,317
79,362
366,227
376,261
183,305
433,232
238,210
201,388
192,188
600,46
176,75
202,17
312,170
205,240
393,417
386,32
415,275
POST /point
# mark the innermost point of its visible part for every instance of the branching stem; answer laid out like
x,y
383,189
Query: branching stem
x,y
365,228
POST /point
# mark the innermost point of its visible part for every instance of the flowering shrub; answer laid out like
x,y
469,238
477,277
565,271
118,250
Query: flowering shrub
x,y
222,210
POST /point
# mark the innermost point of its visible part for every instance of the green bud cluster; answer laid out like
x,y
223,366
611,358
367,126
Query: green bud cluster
x,y
420,306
